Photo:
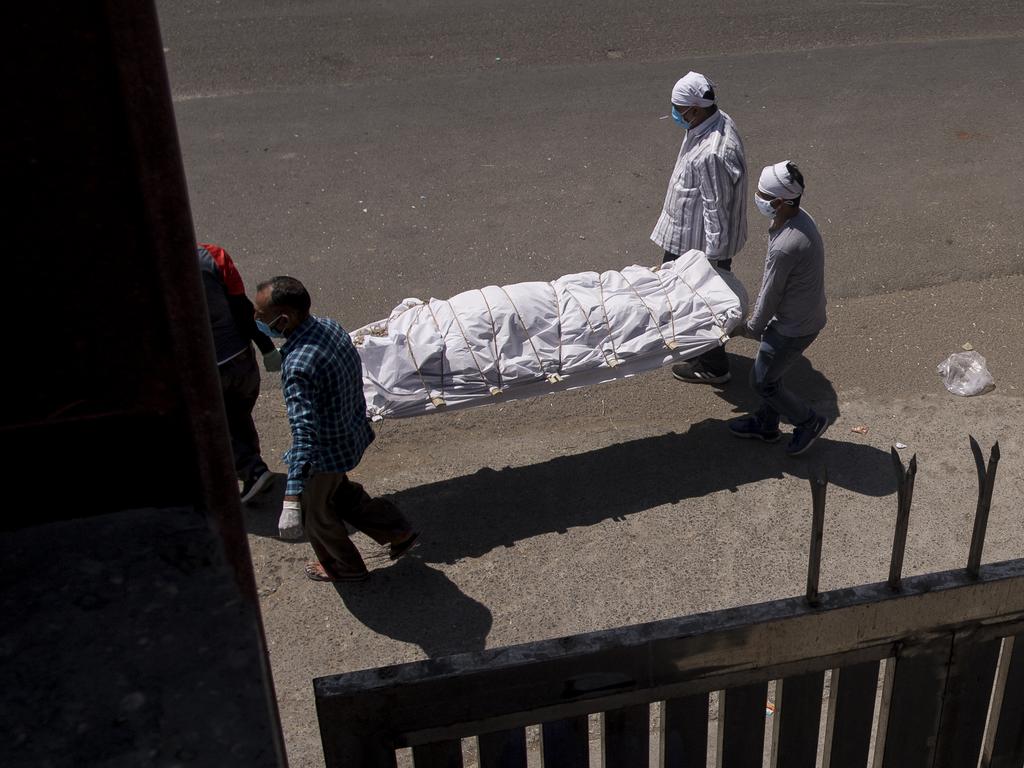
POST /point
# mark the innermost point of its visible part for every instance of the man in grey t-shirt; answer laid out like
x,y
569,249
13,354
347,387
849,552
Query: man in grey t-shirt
x,y
789,312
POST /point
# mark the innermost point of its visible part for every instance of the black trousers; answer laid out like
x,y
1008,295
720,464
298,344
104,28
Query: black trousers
x,y
714,360
240,383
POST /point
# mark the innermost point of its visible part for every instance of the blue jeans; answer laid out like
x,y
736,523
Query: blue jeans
x,y
776,355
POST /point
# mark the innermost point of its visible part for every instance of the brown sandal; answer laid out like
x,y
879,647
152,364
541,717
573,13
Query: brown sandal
x,y
317,572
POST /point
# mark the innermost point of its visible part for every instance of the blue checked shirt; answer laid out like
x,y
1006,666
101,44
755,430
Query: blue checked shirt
x,y
322,379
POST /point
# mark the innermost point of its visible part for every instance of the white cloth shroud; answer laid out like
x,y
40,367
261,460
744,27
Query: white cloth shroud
x,y
504,343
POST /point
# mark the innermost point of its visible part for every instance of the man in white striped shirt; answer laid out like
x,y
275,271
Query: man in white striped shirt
x,y
706,203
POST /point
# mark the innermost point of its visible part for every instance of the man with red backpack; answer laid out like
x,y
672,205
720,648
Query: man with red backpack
x,y
234,331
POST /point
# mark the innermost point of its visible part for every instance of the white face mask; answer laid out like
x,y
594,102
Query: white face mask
x,y
764,206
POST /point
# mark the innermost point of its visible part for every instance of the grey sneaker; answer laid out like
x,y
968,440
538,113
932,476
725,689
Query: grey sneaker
x,y
751,427
697,373
805,435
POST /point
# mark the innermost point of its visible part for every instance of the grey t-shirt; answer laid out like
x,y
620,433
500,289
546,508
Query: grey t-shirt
x,y
793,288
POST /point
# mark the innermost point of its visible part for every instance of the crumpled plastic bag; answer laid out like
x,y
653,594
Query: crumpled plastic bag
x,y
965,374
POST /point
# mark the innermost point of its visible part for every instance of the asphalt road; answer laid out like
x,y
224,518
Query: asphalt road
x,y
424,166
394,149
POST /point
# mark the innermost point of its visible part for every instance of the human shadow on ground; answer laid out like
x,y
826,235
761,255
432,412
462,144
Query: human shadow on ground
x,y
414,603
408,601
470,515
261,513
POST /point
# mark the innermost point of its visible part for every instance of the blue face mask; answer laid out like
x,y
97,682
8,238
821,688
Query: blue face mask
x,y
266,330
679,118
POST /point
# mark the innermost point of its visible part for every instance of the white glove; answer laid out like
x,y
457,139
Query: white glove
x,y
290,524
272,361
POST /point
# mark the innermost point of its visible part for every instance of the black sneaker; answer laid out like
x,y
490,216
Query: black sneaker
x,y
256,485
395,551
698,373
805,435
751,427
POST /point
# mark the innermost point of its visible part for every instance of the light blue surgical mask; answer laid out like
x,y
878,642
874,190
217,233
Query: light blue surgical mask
x,y
679,118
764,206
267,330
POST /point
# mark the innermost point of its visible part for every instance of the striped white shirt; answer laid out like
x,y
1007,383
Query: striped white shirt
x,y
706,203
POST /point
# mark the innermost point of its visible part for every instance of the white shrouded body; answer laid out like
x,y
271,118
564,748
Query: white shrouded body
x,y
502,343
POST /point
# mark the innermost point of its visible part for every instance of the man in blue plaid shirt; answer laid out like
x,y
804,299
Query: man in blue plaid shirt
x,y
322,380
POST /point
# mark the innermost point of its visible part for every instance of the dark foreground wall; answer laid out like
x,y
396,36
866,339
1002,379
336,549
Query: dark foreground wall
x,y
129,627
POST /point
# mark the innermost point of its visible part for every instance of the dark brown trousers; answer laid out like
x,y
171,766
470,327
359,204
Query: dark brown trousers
x,y
329,501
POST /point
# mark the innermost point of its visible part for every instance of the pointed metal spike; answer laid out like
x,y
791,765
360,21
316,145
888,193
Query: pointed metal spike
x,y
908,491
986,478
979,461
986,482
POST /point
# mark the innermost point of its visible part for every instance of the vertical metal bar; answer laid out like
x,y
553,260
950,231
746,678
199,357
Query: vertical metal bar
x,y
1008,744
829,737
905,495
439,754
353,735
684,732
565,743
625,737
367,752
503,749
916,706
986,481
797,720
741,726
965,701
884,707
819,485
979,463
851,709
996,704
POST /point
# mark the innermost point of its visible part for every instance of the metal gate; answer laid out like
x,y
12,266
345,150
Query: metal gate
x,y
950,694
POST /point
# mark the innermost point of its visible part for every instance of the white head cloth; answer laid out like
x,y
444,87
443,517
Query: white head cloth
x,y
689,91
776,181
